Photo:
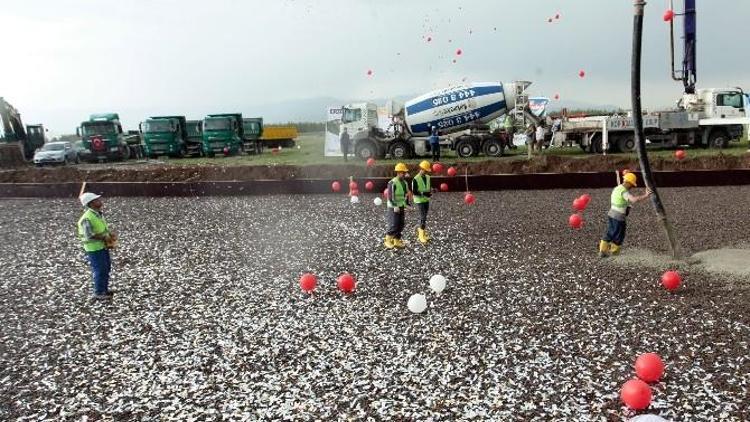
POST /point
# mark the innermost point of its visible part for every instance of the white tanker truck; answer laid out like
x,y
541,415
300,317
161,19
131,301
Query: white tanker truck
x,y
460,114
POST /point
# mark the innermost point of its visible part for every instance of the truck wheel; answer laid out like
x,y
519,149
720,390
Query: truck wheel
x,y
493,148
596,144
626,144
465,147
718,139
399,150
365,149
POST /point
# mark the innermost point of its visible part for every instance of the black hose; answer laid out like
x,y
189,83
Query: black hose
x,y
640,137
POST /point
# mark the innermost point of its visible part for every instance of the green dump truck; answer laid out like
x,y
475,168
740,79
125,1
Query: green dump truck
x,y
165,135
253,131
223,134
103,139
195,137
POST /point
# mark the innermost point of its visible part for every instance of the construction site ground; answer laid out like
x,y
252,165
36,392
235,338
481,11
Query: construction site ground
x,y
208,320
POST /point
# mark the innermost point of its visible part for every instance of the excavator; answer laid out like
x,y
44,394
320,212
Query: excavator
x,y
17,145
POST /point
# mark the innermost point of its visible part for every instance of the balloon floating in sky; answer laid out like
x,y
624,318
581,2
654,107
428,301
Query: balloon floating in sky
x,y
417,303
549,20
308,282
557,96
454,61
649,367
429,39
336,186
459,52
582,73
668,15
636,394
557,16
369,72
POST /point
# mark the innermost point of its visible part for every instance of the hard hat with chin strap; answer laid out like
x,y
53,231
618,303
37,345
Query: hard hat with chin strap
x,y
87,197
425,165
401,168
630,178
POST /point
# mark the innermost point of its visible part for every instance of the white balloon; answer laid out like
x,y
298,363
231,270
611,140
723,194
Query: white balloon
x,y
648,418
437,283
417,303
378,202
355,199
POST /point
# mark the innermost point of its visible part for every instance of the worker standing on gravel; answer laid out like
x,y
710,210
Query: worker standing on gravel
x,y
97,241
435,144
345,142
621,199
422,191
398,200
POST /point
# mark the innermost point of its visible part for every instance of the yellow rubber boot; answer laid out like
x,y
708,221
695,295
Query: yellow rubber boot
x,y
426,235
398,243
603,248
422,236
614,249
388,242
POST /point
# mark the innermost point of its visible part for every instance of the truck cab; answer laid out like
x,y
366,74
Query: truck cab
x,y
37,137
165,135
253,131
359,120
103,138
223,133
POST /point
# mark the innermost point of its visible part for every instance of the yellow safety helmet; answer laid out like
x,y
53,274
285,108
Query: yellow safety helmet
x,y
630,178
425,165
401,168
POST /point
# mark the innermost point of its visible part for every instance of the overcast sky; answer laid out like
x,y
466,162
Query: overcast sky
x,y
64,59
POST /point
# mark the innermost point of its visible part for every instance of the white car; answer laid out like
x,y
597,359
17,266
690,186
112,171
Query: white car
x,y
56,153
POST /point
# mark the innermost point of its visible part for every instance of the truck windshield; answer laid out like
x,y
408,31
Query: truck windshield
x,y
98,129
157,126
251,128
217,124
351,115
53,147
193,129
729,99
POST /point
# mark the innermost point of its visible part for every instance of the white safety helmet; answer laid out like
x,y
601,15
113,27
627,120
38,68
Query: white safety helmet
x,y
87,197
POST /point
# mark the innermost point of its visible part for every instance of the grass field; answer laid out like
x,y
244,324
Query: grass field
x,y
310,152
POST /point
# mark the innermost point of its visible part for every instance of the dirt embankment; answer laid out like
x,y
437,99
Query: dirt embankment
x,y
170,173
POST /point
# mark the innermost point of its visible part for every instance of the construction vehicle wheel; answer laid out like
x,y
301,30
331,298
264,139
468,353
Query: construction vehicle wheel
x,y
399,150
625,144
596,144
718,139
465,147
365,149
493,148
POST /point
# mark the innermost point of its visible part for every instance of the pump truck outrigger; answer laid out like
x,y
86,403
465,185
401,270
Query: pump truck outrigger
x,y
461,115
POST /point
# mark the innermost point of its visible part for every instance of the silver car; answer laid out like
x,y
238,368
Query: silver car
x,y
56,153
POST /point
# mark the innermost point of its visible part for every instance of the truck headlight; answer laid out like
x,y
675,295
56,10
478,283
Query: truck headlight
x,y
113,149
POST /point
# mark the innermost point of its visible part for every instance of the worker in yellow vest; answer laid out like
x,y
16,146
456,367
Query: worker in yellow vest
x,y
621,199
97,241
398,200
422,191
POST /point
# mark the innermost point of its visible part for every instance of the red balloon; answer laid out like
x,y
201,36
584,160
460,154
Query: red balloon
x,y
385,193
451,171
429,39
579,205
557,16
444,187
671,280
437,168
668,15
649,367
454,60
370,162
459,52
586,198
353,185
575,221
345,283
369,185
336,186
308,282
680,154
636,394
469,199
549,20
354,192
557,96
369,73
582,73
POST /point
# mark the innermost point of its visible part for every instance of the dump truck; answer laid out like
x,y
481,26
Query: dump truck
x,y
165,135
252,133
460,114
17,143
195,137
103,139
223,134
708,118
279,136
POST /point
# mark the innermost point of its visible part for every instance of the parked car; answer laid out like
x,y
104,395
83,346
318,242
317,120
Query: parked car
x,y
56,153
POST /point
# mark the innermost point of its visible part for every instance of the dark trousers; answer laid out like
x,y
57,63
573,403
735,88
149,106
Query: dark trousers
x,y
423,208
615,231
345,150
435,152
395,222
101,264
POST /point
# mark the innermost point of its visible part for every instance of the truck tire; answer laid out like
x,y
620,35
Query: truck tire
x,y
596,144
718,139
365,149
466,147
625,144
493,148
400,150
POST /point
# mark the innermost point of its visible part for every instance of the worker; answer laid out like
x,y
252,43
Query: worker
x,y
398,200
530,138
434,140
621,200
345,143
422,191
510,130
539,137
97,241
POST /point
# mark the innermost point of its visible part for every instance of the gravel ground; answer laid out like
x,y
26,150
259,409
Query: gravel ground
x,y
208,320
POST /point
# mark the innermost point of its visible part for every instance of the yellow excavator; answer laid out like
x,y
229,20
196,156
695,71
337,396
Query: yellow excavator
x,y
17,143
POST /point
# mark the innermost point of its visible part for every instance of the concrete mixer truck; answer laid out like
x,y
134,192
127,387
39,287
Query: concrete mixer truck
x,y
460,114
